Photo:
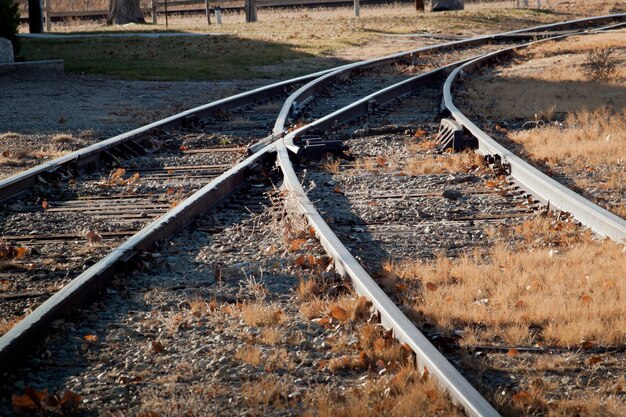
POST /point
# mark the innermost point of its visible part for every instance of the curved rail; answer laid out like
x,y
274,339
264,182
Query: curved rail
x,y
532,180
80,290
306,92
428,358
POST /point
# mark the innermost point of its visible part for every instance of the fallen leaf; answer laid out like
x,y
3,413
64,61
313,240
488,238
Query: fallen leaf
x,y
381,161
585,299
490,184
339,313
91,338
148,414
20,252
512,352
44,205
595,360
520,304
70,401
419,133
295,244
23,404
432,395
338,190
431,286
183,148
157,347
521,397
300,260
93,236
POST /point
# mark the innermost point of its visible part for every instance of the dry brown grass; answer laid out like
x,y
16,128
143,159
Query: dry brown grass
x,y
7,324
550,79
261,314
267,391
331,164
441,164
586,138
405,393
272,336
249,354
560,290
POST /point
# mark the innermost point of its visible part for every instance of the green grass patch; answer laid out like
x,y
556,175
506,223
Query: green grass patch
x,y
178,58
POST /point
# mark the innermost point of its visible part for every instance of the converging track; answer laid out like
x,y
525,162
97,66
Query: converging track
x,y
388,190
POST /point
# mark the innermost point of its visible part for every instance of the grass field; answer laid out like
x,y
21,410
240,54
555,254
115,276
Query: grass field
x,y
281,44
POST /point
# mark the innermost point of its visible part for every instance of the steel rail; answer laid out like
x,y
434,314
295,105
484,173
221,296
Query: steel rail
x,y
529,178
14,344
428,358
305,93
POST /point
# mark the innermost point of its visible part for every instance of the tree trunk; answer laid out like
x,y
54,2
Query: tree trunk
x,y
124,11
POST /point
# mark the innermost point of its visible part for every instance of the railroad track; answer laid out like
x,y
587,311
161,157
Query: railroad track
x,y
486,197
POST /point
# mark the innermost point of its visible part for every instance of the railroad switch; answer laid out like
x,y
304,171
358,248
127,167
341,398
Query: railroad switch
x,y
452,135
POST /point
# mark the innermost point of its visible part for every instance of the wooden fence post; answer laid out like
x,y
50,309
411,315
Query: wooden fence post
x,y
250,9
218,15
166,21
153,6
419,5
357,8
48,7
208,12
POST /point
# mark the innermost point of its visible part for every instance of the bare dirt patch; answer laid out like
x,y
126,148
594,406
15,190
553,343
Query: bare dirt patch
x,y
45,106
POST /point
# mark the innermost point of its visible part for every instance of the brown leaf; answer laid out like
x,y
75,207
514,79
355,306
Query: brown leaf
x,y
20,252
300,260
490,184
311,260
521,397
432,395
419,133
93,236
91,338
380,364
520,304
23,404
44,205
512,352
322,364
296,244
585,299
170,191
148,414
595,359
338,190
339,313
70,401
431,286
157,347
381,161
116,175
183,148
311,231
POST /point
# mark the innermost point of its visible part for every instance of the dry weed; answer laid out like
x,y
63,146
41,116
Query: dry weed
x,y
261,314
559,295
601,65
404,393
249,354
7,324
586,138
440,164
